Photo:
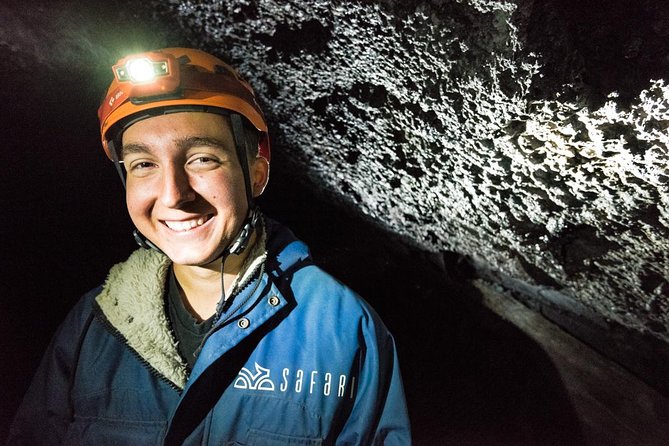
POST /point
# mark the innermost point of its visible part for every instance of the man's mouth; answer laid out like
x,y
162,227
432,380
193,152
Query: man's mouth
x,y
186,225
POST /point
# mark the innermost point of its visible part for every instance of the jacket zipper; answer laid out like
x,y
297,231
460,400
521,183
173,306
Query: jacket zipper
x,y
260,270
257,274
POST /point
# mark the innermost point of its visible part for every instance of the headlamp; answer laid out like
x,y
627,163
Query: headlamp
x,y
148,74
141,70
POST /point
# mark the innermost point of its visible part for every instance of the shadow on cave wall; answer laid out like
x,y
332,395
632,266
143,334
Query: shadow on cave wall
x,y
470,377
598,46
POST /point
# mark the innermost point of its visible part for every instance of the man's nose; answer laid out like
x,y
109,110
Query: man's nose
x,y
176,188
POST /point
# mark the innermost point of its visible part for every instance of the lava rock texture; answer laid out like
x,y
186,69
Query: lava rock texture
x,y
529,136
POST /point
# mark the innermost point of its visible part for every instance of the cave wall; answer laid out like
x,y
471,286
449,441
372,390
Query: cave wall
x,y
529,136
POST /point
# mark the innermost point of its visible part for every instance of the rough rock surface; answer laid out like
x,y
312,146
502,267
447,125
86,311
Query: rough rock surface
x,y
529,136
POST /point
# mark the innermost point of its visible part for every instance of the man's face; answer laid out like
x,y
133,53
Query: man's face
x,y
185,188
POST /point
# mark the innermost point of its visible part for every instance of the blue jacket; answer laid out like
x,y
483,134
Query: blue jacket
x,y
298,359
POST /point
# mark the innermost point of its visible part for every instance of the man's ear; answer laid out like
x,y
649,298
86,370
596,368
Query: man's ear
x,y
259,175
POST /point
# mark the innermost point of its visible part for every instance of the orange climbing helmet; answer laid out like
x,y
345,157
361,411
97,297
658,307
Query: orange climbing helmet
x,y
173,79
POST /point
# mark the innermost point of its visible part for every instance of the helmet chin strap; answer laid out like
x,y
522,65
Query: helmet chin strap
x,y
253,214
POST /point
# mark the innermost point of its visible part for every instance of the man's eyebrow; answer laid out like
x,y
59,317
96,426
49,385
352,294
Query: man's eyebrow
x,y
133,148
193,141
182,143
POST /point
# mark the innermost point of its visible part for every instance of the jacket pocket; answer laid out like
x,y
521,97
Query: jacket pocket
x,y
261,438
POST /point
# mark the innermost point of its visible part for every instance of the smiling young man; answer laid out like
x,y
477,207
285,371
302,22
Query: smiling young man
x,y
219,329
185,193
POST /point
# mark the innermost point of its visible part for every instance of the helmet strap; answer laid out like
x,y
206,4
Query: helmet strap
x,y
241,142
240,243
144,242
117,163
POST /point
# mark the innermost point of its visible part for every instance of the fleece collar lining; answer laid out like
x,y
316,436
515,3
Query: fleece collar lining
x,y
132,301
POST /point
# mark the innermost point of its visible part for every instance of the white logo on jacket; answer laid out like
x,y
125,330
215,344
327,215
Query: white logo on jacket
x,y
311,382
254,381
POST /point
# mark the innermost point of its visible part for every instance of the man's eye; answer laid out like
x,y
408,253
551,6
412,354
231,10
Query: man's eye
x,y
203,161
142,165
139,166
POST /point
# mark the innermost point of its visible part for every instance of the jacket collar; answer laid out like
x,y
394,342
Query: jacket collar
x,y
132,302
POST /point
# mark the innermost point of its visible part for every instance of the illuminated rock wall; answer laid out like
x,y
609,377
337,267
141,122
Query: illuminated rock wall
x,y
530,137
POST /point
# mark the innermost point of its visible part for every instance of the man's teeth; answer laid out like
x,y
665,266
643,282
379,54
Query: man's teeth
x,y
186,225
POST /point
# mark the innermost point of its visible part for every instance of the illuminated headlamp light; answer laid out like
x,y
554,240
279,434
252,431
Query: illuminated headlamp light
x,y
142,70
148,77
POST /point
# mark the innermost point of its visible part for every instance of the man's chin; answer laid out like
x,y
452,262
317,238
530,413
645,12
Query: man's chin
x,y
196,259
